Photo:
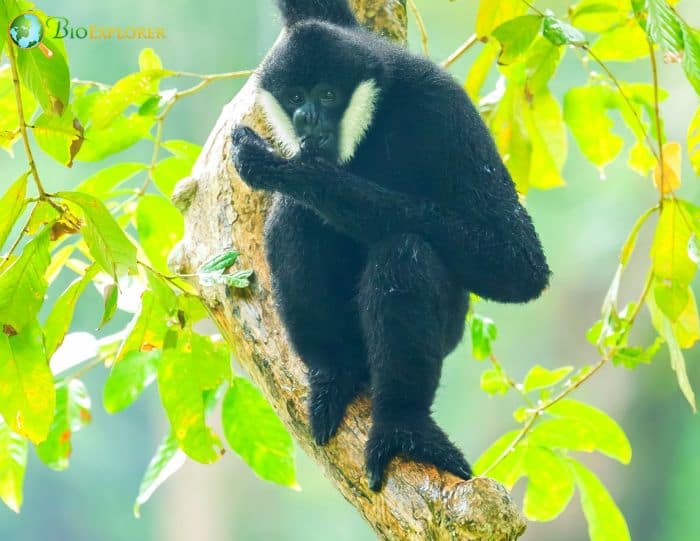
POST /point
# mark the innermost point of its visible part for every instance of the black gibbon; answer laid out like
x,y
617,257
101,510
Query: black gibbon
x,y
391,204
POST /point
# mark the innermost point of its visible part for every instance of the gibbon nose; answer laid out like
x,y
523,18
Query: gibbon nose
x,y
306,120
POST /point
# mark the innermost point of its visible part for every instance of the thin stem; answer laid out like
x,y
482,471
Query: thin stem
x,y
22,122
511,383
657,113
626,99
97,361
461,50
534,8
156,148
421,26
537,412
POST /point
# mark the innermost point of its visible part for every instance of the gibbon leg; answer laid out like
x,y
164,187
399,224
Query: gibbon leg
x,y
314,274
408,305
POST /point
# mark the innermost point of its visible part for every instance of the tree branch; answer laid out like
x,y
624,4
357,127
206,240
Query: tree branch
x,y
418,502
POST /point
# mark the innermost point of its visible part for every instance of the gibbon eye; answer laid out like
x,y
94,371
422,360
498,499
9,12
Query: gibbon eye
x,y
296,98
328,95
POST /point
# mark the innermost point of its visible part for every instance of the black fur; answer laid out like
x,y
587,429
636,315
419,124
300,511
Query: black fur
x,y
332,11
372,262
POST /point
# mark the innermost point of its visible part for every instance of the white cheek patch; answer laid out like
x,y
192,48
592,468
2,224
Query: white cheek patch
x,y
279,122
357,119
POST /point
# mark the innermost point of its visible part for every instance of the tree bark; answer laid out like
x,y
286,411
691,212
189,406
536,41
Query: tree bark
x,y
418,502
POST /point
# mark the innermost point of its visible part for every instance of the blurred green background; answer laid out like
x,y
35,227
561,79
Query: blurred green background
x,y
582,226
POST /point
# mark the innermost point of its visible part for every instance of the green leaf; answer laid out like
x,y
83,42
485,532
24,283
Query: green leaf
x,y
511,468
483,334
220,262
493,14
168,172
128,378
11,206
147,329
134,88
682,334
156,238
561,33
183,374
9,119
105,238
58,136
540,378
27,396
662,25
516,36
254,431
104,181
599,15
480,69
694,142
550,484
678,364
47,78
610,439
111,296
23,285
168,459
183,149
671,297
72,414
122,133
622,44
605,520
585,112
494,381
669,252
691,56
13,462
631,357
149,60
59,320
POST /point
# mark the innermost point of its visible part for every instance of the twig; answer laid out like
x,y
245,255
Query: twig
x,y
511,383
421,26
461,50
22,121
626,99
657,112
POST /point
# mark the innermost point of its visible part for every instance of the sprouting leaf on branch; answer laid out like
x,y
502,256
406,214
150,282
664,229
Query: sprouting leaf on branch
x,y
213,272
483,334
562,33
540,378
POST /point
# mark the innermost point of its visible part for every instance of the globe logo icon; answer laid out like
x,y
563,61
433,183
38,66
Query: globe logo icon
x,y
27,31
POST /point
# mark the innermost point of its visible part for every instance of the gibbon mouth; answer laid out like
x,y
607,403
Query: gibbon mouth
x,y
317,142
